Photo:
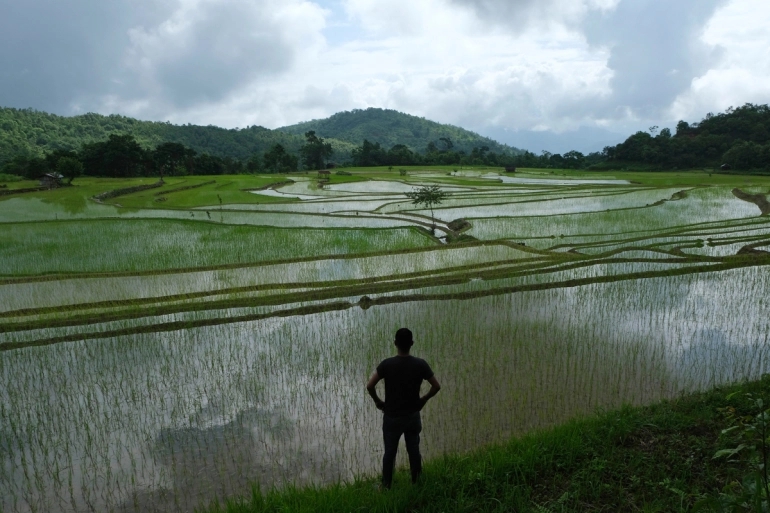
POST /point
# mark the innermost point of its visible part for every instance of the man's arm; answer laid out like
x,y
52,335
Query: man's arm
x,y
435,386
370,387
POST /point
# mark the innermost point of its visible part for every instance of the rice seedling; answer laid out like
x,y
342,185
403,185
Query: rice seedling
x,y
161,361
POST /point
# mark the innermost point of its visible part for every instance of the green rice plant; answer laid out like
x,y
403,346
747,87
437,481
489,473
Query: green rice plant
x,y
139,245
216,357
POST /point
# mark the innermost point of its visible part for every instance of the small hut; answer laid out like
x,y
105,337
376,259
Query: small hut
x,y
323,173
51,180
510,169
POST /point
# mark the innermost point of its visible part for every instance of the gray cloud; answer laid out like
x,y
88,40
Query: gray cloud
x,y
484,64
148,58
54,53
654,45
522,14
655,48
203,53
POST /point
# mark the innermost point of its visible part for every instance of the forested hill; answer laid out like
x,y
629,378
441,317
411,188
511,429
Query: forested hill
x,y
33,133
390,127
737,139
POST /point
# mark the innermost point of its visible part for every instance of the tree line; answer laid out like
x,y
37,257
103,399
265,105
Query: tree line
x,y
443,152
738,139
34,133
121,156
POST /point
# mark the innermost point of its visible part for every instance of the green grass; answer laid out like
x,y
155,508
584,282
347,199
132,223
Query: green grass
x,y
230,188
654,458
5,178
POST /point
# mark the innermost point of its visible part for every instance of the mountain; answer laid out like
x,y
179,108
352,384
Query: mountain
x,y
390,127
34,133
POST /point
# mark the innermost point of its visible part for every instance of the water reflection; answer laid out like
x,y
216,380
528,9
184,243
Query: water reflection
x,y
170,421
258,447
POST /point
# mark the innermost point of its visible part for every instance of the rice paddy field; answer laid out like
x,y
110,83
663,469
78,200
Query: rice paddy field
x,y
175,346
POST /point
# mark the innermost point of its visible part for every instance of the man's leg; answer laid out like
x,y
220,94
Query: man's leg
x,y
412,438
391,433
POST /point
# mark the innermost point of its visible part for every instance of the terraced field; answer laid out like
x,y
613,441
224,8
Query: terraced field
x,y
165,348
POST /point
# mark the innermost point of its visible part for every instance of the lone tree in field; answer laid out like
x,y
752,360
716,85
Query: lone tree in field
x,y
70,168
430,196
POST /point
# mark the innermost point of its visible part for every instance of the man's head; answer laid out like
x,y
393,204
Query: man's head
x,y
404,340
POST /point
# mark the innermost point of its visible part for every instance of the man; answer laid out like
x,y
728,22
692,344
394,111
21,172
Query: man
x,y
403,375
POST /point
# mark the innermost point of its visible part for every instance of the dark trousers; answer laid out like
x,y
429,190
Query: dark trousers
x,y
392,429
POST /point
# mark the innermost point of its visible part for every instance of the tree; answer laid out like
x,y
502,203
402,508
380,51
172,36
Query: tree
x,y
369,154
747,155
254,164
70,168
401,155
315,151
573,159
428,195
478,155
276,160
205,164
170,156
30,168
52,158
118,156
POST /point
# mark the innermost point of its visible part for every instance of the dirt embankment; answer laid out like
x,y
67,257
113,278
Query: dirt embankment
x,y
759,200
128,190
185,188
8,192
674,197
270,186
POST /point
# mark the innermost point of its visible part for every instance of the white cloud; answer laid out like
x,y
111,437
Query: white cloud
x,y
521,15
551,65
451,66
208,50
410,18
742,74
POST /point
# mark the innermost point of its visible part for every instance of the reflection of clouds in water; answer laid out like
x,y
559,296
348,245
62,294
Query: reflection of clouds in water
x,y
281,399
259,446
554,181
278,194
711,358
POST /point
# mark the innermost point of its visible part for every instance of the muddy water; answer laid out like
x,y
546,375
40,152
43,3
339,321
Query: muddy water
x,y
166,422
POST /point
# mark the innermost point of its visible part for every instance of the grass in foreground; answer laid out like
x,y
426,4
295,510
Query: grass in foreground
x,y
655,458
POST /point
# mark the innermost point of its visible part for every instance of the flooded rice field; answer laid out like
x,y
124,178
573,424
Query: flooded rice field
x,y
165,371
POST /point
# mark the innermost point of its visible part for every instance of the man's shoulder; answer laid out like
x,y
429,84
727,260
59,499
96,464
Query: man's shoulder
x,y
387,362
426,368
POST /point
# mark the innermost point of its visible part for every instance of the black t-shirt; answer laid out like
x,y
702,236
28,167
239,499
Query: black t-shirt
x,y
403,376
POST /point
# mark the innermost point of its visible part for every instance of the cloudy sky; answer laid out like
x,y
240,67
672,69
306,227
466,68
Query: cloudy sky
x,y
539,74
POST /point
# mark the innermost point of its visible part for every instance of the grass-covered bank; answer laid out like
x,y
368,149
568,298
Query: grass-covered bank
x,y
654,458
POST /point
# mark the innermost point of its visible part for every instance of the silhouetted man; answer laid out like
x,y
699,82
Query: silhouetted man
x,y
403,375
